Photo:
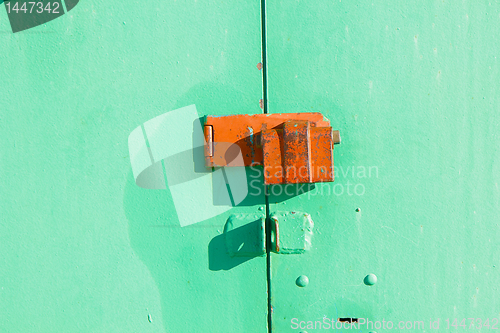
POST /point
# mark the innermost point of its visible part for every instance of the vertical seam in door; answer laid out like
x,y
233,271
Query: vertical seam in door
x,y
264,56
268,263
266,188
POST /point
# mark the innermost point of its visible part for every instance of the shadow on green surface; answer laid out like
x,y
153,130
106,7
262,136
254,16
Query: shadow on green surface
x,y
241,240
172,253
182,260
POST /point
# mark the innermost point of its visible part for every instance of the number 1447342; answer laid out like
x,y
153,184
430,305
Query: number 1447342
x,y
32,7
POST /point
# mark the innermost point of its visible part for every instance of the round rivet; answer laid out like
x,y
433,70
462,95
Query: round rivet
x,y
370,279
302,281
358,209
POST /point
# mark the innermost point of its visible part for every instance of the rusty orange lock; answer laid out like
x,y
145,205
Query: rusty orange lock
x,y
292,147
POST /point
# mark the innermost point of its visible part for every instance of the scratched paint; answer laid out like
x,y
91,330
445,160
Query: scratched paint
x,y
251,143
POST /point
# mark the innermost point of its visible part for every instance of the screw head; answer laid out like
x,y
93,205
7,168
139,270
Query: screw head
x,y
370,279
302,281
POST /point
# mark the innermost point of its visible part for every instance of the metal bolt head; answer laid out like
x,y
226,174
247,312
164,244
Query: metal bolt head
x,y
302,281
370,279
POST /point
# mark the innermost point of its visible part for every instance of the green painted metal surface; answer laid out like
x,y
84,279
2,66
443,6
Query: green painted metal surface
x,y
408,231
83,249
413,89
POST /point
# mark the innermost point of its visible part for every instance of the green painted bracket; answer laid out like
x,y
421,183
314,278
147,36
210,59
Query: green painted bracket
x,y
291,232
245,235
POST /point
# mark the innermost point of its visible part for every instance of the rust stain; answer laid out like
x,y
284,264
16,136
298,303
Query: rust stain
x,y
272,156
259,66
261,103
277,235
297,148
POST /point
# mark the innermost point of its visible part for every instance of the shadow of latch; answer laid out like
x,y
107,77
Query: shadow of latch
x,y
291,233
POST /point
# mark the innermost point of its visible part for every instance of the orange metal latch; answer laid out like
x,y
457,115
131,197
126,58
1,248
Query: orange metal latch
x,y
292,147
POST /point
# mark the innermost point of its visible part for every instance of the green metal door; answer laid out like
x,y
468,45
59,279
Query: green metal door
x,y
84,249
406,234
413,89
